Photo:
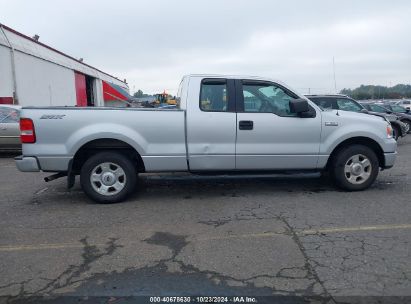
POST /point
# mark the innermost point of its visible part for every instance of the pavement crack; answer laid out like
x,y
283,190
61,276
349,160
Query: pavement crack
x,y
66,278
216,223
311,270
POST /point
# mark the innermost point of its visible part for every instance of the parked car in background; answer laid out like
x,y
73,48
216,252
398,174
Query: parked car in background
x,y
345,103
405,103
9,127
402,113
379,108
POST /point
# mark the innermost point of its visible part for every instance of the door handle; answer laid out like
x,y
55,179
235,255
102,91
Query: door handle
x,y
246,125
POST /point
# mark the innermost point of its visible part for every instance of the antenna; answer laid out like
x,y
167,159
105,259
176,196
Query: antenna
x,y
335,81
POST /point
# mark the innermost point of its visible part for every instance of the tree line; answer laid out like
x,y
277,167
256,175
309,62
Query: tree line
x,y
140,94
379,92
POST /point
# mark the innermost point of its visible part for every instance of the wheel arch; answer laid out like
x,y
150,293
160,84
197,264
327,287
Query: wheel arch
x,y
359,140
106,144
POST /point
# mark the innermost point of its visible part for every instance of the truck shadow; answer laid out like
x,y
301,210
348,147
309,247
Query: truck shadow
x,y
194,186
159,188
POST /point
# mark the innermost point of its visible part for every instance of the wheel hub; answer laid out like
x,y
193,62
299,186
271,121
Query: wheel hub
x,y
356,169
108,178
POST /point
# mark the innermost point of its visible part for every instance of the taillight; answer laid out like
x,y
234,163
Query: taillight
x,y
27,133
389,131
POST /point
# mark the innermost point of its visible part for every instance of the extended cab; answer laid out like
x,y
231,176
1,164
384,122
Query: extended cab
x,y
222,124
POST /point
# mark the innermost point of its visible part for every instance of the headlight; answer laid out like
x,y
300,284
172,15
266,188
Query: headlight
x,y
389,131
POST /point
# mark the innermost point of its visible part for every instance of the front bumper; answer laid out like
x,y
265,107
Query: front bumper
x,y
27,163
389,159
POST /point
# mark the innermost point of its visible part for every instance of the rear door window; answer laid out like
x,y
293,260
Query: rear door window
x,y
214,96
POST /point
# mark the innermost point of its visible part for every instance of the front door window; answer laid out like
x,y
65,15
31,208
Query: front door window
x,y
267,98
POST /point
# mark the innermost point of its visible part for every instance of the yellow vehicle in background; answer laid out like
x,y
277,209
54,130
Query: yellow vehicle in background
x,y
165,98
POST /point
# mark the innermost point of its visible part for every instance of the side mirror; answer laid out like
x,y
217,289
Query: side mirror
x,y
299,106
389,112
407,110
364,111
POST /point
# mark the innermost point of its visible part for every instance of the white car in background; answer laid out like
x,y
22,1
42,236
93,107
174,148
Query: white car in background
x,y
405,103
9,127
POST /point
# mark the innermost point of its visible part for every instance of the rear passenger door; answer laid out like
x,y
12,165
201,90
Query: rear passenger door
x,y
211,124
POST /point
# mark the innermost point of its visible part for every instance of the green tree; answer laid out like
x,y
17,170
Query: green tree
x,y
379,92
139,94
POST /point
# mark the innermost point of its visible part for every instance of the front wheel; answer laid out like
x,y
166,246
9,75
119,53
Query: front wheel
x,y
355,168
108,177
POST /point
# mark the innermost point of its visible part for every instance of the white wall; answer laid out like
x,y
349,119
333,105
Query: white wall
x,y
98,93
6,76
44,77
29,46
41,83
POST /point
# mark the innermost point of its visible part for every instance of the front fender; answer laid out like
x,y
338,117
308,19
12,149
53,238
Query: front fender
x,y
332,140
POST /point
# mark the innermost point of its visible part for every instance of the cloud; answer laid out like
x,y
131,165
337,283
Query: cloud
x,y
153,43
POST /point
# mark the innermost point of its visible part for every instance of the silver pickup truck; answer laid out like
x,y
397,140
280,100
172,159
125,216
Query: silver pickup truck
x,y
222,124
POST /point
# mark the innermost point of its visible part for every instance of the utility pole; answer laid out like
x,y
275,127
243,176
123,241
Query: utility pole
x,y
335,81
13,67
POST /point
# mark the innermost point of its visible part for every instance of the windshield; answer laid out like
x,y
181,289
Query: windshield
x,y
398,109
325,103
377,108
348,105
9,115
337,103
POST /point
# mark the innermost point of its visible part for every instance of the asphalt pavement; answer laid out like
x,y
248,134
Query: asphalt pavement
x,y
192,235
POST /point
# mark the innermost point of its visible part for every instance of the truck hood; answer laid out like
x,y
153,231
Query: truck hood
x,y
390,117
355,115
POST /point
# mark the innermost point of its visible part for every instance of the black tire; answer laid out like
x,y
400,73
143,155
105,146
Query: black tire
x,y
395,132
350,181
126,180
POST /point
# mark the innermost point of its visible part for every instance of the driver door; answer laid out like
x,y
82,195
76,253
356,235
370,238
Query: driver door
x,y
269,136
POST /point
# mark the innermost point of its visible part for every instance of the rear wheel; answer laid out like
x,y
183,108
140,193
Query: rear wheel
x,y
108,177
355,168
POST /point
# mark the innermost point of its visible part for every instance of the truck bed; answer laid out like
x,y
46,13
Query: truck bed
x,y
158,135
